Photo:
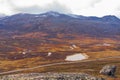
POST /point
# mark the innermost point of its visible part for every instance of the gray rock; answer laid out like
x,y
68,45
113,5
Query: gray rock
x,y
108,70
50,76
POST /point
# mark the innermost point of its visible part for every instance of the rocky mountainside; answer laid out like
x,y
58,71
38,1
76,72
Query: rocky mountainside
x,y
56,23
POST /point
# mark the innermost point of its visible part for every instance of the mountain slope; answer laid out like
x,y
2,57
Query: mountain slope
x,y
53,23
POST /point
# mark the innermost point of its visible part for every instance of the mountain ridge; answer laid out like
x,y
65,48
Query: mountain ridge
x,y
58,13
58,23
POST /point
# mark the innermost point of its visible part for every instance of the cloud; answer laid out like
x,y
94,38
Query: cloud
x,y
80,7
99,8
56,6
94,2
32,9
36,9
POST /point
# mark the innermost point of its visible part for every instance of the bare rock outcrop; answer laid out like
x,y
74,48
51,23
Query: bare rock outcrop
x,y
109,70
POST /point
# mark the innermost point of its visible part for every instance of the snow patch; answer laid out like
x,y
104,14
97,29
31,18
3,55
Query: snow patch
x,y
43,16
76,57
73,46
23,52
106,44
49,54
55,14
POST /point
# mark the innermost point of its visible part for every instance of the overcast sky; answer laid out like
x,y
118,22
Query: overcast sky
x,y
82,7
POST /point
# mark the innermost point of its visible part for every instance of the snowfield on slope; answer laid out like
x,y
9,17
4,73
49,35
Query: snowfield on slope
x,y
76,57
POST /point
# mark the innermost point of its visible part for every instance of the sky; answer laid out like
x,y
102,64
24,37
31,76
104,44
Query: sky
x,y
80,7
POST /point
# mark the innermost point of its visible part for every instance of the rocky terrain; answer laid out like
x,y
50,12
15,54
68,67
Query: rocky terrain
x,y
108,70
50,76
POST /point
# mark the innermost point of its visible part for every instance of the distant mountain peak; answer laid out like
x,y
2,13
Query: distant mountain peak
x,y
111,18
52,13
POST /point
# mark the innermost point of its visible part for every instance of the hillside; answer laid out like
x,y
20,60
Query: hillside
x,y
54,23
31,40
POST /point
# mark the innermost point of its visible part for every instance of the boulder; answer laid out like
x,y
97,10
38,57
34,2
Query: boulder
x,y
108,70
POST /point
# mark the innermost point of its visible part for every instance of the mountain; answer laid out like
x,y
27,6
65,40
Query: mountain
x,y
53,23
111,19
